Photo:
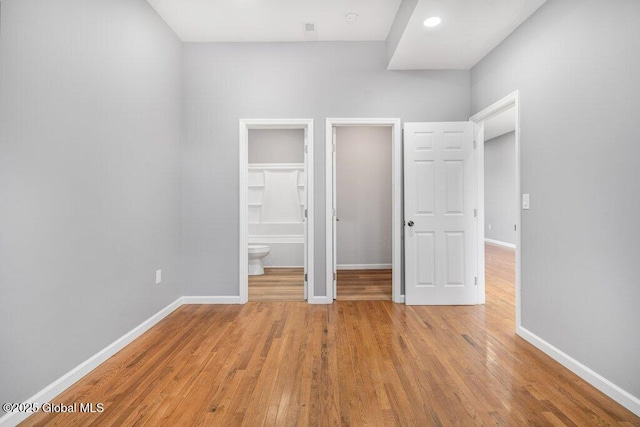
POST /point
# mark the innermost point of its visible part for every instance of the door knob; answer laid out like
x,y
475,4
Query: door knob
x,y
410,223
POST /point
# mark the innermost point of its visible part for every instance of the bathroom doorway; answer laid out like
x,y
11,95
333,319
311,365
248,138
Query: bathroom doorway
x,y
276,191
364,209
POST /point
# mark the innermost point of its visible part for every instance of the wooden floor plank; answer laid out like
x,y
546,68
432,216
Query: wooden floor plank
x,y
352,363
364,285
277,284
287,284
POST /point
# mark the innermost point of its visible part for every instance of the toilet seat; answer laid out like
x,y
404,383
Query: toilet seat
x,y
257,248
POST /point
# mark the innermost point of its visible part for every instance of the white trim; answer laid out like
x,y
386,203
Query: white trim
x,y
67,380
231,299
320,300
276,166
363,266
396,215
511,100
496,108
499,243
243,238
615,392
275,239
478,135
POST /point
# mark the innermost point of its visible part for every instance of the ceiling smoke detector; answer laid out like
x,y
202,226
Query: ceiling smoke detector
x,y
351,17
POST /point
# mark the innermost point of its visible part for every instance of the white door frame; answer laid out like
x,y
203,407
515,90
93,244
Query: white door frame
x,y
511,100
396,212
245,126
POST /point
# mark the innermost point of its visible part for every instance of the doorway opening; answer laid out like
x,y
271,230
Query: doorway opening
x,y
363,205
276,215
364,196
499,231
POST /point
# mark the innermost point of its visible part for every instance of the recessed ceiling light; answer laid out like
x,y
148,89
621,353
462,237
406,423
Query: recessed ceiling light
x,y
351,17
432,22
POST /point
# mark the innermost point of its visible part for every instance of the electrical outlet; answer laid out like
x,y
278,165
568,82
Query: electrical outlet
x,y
489,226
158,276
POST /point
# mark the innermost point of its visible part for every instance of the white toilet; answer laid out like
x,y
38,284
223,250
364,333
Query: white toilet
x,y
256,253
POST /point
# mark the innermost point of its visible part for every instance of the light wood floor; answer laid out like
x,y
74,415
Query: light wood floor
x,y
364,285
351,363
286,284
277,284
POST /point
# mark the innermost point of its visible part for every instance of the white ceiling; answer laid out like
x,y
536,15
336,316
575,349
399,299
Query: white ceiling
x,y
469,30
276,20
500,124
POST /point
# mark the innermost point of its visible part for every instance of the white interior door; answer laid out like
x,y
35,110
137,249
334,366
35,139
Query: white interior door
x,y
440,214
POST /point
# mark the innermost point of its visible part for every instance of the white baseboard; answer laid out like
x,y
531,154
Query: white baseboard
x,y
618,394
499,243
233,299
67,380
265,240
400,300
363,266
320,300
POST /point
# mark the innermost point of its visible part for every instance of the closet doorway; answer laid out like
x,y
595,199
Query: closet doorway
x,y
364,189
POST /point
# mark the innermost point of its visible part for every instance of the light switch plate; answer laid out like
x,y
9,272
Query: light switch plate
x,y
158,276
525,201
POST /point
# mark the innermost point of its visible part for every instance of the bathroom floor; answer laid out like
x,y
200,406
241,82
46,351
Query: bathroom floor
x,y
277,284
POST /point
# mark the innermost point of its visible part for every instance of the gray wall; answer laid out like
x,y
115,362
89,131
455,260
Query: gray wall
x,y
223,83
363,182
276,146
576,65
89,180
500,188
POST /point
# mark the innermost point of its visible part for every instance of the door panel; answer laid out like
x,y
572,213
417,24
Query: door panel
x,y
454,170
425,171
440,229
426,246
454,258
